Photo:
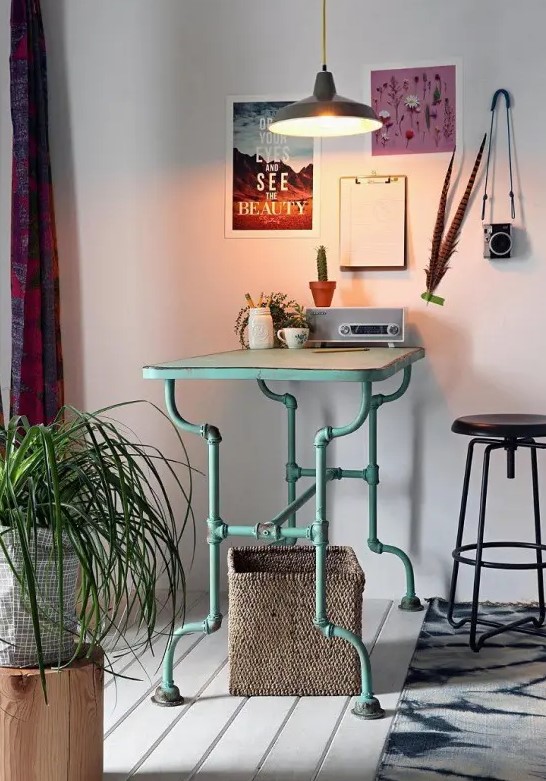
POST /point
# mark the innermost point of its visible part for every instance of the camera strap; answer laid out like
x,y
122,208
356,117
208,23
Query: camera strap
x,y
509,131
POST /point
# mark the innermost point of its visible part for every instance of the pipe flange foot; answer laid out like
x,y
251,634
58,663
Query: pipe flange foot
x,y
411,604
167,699
368,709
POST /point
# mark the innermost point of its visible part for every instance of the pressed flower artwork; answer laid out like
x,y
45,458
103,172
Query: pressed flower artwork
x,y
417,107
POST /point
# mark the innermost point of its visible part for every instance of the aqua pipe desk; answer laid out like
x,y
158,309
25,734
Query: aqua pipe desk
x,y
308,365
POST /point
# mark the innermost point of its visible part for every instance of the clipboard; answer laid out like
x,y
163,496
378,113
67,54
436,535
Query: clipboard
x,y
372,225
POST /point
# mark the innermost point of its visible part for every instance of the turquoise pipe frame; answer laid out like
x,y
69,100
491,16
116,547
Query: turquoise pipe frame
x,y
409,601
282,528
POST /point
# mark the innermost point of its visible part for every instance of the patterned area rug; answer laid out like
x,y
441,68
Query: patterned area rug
x,y
464,715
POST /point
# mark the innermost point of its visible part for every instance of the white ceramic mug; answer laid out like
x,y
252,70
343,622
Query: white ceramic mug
x,y
294,338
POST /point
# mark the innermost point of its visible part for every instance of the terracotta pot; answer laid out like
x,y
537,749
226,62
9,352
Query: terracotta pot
x,y
323,292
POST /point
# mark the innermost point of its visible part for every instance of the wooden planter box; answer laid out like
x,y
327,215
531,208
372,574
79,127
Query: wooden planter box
x,y
62,740
274,649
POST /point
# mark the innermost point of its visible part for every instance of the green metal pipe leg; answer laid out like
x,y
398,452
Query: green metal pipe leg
x,y
292,475
291,478
168,694
366,706
409,601
214,522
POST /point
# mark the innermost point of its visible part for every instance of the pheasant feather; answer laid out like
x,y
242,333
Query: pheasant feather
x,y
443,248
449,243
440,222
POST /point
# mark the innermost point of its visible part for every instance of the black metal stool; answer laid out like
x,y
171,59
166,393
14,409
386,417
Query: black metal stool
x,y
497,432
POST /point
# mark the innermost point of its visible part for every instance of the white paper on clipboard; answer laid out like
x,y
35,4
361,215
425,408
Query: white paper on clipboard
x,y
373,222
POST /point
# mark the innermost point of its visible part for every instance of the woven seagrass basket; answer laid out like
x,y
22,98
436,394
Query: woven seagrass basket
x,y
274,649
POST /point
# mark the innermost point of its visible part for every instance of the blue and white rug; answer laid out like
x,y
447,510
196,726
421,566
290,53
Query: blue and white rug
x,y
464,715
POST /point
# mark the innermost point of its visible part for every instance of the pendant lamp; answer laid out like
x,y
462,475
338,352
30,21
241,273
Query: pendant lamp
x,y
325,113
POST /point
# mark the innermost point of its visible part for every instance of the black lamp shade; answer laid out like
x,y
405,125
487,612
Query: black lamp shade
x,y
325,113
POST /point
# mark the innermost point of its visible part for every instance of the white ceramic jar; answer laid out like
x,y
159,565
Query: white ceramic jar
x,y
260,329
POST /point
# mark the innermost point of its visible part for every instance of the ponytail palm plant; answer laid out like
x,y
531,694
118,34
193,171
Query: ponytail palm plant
x,y
87,527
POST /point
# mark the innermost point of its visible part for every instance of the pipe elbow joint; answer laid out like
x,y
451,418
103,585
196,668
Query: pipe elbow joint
x,y
375,546
377,400
213,623
324,627
289,401
211,433
324,436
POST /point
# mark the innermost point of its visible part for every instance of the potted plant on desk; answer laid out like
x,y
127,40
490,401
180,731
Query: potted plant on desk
x,y
323,289
86,529
295,332
296,318
284,311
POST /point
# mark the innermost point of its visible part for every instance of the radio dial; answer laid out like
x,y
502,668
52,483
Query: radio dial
x,y
344,330
393,329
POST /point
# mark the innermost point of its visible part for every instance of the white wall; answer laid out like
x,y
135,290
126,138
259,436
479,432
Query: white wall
x,y
138,140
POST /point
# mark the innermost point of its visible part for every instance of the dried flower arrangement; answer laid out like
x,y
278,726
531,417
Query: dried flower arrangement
x,y
443,247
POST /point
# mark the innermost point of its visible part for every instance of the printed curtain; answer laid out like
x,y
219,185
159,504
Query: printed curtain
x,y
37,371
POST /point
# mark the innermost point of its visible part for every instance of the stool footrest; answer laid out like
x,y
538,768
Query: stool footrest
x,y
457,555
499,628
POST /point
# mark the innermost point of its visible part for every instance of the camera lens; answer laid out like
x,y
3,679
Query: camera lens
x,y
500,243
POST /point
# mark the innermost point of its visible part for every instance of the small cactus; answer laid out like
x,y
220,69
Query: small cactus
x,y
322,264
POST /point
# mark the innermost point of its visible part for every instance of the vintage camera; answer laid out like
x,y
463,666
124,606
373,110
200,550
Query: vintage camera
x,y
497,240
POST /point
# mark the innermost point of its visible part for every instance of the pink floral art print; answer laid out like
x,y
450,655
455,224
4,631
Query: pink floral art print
x,y
417,108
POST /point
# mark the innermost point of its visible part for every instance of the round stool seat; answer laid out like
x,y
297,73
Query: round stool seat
x,y
506,426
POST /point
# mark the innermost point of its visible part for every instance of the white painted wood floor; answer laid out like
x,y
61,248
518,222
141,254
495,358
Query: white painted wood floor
x,y
216,737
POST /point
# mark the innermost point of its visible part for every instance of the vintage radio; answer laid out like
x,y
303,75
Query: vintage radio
x,y
333,326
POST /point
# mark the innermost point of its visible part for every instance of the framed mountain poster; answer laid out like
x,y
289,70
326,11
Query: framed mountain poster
x,y
272,180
